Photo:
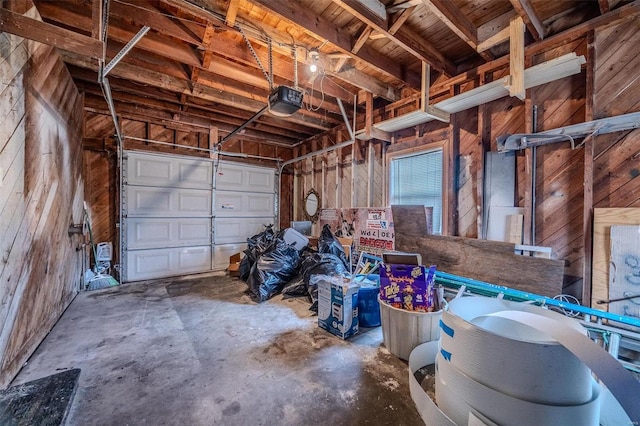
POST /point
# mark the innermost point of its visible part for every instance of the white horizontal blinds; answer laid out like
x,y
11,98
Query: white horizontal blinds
x,y
417,179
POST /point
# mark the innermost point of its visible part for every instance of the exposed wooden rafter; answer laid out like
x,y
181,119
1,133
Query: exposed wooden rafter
x,y
32,29
531,19
232,12
495,31
357,45
457,22
325,30
418,47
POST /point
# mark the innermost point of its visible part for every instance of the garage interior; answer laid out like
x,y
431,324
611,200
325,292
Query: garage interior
x,y
172,131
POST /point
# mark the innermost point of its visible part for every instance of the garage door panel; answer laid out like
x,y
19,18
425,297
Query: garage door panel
x,y
222,252
177,223
236,230
144,233
195,202
175,202
157,263
164,171
238,177
243,204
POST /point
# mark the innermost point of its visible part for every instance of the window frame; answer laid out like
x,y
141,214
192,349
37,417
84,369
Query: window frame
x,y
446,166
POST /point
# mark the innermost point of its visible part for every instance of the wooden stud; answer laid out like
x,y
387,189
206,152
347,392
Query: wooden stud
x,y
525,9
232,12
52,35
516,58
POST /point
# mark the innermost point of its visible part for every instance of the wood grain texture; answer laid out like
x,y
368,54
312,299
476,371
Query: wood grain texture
x,y
42,268
603,219
489,261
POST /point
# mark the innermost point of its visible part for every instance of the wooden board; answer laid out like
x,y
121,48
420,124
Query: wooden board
x,y
490,261
624,277
603,219
41,197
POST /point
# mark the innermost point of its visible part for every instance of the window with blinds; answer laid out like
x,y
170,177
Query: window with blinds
x,y
417,179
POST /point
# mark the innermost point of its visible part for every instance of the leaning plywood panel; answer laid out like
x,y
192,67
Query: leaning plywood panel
x,y
490,261
624,275
603,219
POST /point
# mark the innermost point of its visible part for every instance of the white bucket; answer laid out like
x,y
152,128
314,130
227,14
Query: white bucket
x,y
404,330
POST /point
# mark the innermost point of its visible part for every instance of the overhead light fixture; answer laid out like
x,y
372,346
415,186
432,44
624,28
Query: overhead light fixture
x,y
313,57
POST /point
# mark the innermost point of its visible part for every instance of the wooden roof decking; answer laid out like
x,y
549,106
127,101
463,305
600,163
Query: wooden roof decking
x,y
195,67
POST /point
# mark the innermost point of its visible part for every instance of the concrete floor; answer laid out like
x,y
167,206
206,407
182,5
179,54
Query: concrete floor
x,y
198,351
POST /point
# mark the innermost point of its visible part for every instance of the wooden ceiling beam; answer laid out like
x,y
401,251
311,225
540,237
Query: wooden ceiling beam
x,y
403,38
232,12
397,20
155,79
144,114
86,80
401,6
60,12
607,5
177,51
52,35
369,84
456,21
357,45
325,30
141,14
530,17
495,31
207,37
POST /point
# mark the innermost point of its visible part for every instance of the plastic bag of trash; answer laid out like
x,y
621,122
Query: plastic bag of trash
x,y
256,246
328,243
273,270
296,287
320,264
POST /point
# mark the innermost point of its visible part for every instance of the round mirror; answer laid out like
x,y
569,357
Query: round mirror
x,y
311,205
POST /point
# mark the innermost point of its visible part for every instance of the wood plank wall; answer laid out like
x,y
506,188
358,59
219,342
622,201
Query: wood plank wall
x,y
559,169
42,195
617,155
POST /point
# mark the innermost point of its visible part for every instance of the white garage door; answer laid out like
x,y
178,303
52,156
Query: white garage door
x,y
172,213
244,205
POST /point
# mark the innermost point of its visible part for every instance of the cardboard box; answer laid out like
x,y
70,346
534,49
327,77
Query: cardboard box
x,y
407,287
234,265
338,306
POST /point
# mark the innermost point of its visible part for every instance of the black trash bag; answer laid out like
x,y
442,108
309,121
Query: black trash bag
x,y
295,288
320,264
328,243
256,246
273,270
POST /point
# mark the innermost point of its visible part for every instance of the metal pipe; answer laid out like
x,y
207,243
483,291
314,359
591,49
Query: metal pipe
x,y
534,161
106,90
121,54
346,119
245,124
